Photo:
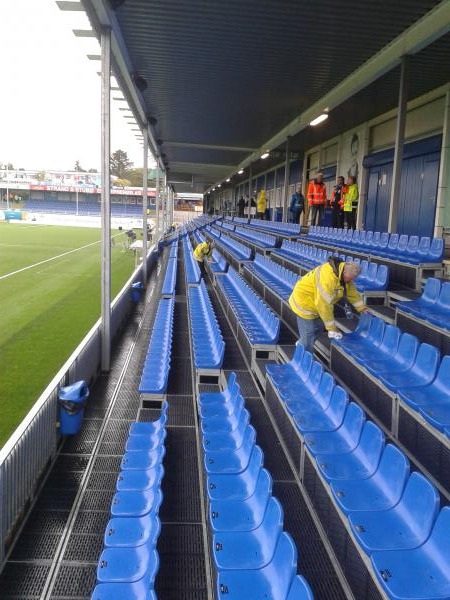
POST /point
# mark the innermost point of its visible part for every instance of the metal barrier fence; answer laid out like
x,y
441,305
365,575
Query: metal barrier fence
x,y
28,452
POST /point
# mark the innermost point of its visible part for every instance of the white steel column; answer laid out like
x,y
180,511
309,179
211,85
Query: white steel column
x,y
363,183
157,224
144,206
399,139
287,173
105,40
443,193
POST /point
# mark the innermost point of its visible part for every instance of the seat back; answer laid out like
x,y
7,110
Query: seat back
x,y
353,423
382,278
402,244
407,350
306,365
413,246
442,381
393,242
282,568
443,302
427,362
363,326
393,472
325,390
315,376
391,339
338,405
371,444
420,502
376,331
300,590
298,355
436,252
384,241
432,290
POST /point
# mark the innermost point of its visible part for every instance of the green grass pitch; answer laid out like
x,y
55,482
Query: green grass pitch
x,y
46,310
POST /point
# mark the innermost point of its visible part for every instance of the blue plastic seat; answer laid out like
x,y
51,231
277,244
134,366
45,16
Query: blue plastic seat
x,y
128,565
141,590
387,348
298,389
361,331
436,251
272,581
381,491
435,393
142,460
227,440
229,461
150,427
250,549
136,504
129,532
401,361
144,442
139,481
406,525
343,439
361,463
439,314
227,422
300,590
315,419
242,515
426,301
314,401
238,486
366,344
422,573
421,373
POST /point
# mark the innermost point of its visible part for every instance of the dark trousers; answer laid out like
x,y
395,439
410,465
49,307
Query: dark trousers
x,y
261,215
317,211
350,219
337,219
296,216
202,268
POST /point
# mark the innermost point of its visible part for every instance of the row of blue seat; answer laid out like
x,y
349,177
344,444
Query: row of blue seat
x,y
402,248
170,278
208,344
277,278
193,274
373,276
173,252
155,373
129,562
433,305
413,371
235,248
254,557
260,324
263,240
290,229
391,512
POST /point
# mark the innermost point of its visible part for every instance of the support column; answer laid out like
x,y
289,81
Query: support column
x,y
105,41
274,207
145,206
305,213
164,205
287,173
157,224
442,217
363,183
250,176
399,140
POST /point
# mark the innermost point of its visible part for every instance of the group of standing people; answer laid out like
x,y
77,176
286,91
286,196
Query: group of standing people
x,y
343,201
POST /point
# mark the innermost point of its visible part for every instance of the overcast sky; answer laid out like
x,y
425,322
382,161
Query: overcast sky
x,y
50,91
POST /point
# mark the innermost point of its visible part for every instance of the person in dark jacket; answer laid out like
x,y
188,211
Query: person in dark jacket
x,y
297,206
241,206
337,216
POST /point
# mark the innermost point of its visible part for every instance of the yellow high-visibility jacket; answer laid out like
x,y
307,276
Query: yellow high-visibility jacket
x,y
351,196
202,251
261,202
315,294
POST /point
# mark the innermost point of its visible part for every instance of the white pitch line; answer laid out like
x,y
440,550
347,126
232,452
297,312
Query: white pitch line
x,y
42,262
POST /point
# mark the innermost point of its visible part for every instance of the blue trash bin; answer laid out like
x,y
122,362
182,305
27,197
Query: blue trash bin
x,y
136,291
72,400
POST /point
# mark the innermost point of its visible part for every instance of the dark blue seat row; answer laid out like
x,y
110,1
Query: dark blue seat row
x,y
261,239
290,229
257,320
193,274
235,248
173,252
402,248
373,276
170,278
155,373
434,304
392,513
129,562
254,557
413,371
279,279
208,344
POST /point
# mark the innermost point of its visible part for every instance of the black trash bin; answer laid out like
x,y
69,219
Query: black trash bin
x,y
72,400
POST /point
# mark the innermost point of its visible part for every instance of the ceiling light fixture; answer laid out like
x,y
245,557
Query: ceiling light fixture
x,y
320,119
265,155
240,172
228,180
220,185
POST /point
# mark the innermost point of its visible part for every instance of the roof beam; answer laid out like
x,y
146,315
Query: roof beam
x,y
208,147
83,33
426,30
70,6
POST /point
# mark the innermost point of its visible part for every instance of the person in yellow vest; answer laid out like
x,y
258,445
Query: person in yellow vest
x,y
202,252
315,295
350,202
261,205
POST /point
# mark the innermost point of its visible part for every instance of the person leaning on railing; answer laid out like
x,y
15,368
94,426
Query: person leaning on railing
x,y
315,295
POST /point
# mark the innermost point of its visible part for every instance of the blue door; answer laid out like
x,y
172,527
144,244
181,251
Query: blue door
x,y
378,198
429,194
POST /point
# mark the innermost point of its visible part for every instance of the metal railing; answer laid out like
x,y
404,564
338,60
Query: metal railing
x,y
30,449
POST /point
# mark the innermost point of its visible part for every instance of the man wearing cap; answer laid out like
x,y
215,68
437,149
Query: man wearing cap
x,y
317,198
202,252
315,295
